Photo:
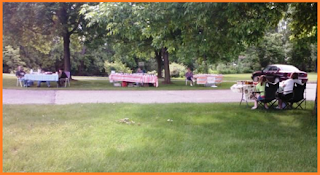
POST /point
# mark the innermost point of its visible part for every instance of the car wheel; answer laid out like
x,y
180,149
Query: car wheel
x,y
276,80
255,78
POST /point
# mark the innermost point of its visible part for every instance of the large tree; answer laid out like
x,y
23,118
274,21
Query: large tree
x,y
205,31
36,24
124,29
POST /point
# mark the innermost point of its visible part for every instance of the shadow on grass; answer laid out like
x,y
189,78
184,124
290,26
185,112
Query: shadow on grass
x,y
201,138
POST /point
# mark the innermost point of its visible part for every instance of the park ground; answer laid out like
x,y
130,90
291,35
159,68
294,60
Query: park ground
x,y
197,138
175,137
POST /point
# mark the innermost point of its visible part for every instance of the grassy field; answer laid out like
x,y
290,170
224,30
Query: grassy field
x,y
200,138
102,83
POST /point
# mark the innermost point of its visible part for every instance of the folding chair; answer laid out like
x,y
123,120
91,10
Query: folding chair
x,y
270,94
67,79
298,97
190,81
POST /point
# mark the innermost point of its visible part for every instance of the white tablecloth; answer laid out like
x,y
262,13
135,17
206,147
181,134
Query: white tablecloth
x,y
247,89
41,77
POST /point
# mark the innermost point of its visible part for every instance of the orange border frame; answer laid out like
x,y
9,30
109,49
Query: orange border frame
x,y
1,68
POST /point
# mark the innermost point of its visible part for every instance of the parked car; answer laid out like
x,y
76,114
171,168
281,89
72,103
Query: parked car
x,y
279,72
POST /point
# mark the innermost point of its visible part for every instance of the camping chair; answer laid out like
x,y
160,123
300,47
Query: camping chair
x,y
67,79
298,97
270,94
190,81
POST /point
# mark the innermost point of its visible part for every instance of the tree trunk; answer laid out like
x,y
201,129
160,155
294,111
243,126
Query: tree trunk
x,y
63,17
165,55
81,65
136,60
66,53
205,68
159,61
81,68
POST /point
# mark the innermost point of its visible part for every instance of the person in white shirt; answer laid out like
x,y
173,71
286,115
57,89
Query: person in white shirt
x,y
287,88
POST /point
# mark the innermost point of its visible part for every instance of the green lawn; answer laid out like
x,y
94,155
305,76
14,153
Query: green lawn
x,y
312,77
201,137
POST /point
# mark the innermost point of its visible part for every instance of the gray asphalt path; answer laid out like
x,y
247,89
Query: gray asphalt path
x,y
86,96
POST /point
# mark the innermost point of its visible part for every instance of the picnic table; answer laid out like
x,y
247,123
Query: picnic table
x,y
134,78
208,78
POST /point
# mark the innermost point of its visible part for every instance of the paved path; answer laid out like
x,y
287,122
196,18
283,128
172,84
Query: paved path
x,y
85,96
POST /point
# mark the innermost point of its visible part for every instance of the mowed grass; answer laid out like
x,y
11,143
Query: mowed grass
x,y
201,138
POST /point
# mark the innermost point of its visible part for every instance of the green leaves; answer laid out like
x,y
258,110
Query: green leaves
x,y
304,21
11,58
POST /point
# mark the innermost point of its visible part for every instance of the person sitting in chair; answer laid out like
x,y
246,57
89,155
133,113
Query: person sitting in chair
x,y
20,75
62,77
286,89
260,87
139,70
189,76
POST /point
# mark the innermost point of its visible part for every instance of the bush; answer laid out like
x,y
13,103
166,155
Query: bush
x,y
224,69
154,72
177,70
247,70
211,71
116,66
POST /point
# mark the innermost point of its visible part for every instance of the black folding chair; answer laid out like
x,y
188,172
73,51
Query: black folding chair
x,y
298,97
270,94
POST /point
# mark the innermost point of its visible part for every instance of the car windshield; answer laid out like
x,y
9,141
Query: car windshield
x,y
266,69
288,68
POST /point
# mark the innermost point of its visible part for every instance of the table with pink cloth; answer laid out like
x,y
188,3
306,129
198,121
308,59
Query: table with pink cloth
x,y
135,78
203,78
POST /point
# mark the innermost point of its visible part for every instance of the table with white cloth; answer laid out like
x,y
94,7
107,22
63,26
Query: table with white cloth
x,y
246,88
134,78
41,77
208,78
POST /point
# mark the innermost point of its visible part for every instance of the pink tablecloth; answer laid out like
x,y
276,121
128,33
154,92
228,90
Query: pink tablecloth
x,y
139,78
202,78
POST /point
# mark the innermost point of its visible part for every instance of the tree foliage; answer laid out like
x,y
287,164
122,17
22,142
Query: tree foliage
x,y
11,59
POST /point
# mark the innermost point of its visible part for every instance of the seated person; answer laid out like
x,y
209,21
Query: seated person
x,y
260,87
39,82
139,70
189,76
20,75
287,88
62,77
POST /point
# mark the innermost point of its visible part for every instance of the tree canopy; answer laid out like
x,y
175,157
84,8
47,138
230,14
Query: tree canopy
x,y
83,37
